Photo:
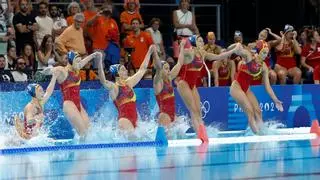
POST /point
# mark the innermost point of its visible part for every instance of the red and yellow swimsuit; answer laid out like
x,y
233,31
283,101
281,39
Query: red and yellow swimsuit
x,y
257,80
285,57
191,72
247,72
224,75
166,101
29,125
70,88
126,104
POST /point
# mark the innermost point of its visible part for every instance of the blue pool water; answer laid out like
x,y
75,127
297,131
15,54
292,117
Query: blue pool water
x,y
268,160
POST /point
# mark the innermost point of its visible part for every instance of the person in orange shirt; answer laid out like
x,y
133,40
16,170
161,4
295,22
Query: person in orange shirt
x,y
89,12
72,37
140,41
105,28
131,12
73,8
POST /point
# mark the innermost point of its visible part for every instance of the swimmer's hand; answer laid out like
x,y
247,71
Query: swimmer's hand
x,y
279,105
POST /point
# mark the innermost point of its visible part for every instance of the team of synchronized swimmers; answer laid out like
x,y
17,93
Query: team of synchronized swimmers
x,y
185,73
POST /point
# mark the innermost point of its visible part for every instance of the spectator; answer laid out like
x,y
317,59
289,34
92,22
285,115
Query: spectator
x,y
105,28
72,38
29,57
5,75
140,41
286,61
157,37
7,39
45,23
184,20
262,41
89,12
87,74
19,74
25,25
10,11
210,47
224,72
46,53
59,23
310,55
302,39
131,11
10,57
238,38
5,34
73,9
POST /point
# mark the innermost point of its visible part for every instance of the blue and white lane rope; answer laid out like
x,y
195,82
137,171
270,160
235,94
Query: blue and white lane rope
x,y
79,147
286,135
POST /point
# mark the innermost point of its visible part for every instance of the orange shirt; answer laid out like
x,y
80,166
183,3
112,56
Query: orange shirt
x,y
92,75
126,18
141,44
87,16
70,20
71,39
105,29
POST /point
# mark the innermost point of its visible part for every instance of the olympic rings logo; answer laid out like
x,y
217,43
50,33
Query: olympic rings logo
x,y
205,108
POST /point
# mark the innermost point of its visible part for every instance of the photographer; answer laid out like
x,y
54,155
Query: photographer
x,y
106,32
140,41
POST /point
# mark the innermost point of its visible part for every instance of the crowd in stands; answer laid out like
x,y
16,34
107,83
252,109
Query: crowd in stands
x,y
34,37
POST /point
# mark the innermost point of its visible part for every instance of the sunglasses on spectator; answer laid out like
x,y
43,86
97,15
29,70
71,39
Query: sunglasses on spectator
x,y
22,63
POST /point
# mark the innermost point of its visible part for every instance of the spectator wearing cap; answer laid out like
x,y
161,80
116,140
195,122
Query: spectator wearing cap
x,y
72,37
238,38
131,11
73,8
184,20
210,47
286,64
157,37
310,56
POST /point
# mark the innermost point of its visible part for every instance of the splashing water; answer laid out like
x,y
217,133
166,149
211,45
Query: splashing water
x,y
101,131
268,128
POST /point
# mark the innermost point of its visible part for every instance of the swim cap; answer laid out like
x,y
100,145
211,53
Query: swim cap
x,y
71,55
31,88
114,69
193,40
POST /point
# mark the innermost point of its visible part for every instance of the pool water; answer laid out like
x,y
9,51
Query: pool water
x,y
296,159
